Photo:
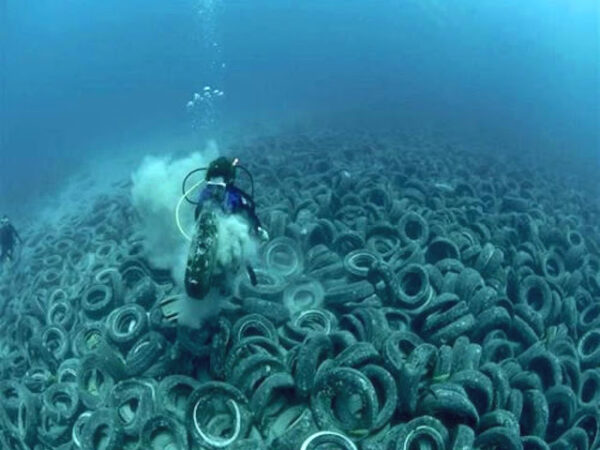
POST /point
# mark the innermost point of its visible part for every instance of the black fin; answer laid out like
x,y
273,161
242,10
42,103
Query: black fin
x,y
167,301
168,308
171,316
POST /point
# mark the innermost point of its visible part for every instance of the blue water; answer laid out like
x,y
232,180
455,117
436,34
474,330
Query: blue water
x,y
423,266
87,79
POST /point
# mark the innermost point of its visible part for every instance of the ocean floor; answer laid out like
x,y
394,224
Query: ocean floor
x,y
413,294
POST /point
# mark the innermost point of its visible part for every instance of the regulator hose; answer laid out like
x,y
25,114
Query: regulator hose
x,y
178,208
185,194
183,191
251,179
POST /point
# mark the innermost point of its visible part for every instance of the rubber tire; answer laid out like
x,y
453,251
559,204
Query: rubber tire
x,y
202,256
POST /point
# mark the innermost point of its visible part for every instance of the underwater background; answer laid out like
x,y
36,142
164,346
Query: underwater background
x,y
85,77
427,172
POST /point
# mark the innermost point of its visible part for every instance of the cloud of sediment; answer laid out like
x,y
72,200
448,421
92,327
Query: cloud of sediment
x,y
155,192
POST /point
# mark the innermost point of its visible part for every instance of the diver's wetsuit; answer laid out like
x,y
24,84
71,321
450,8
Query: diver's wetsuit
x,y
232,200
8,238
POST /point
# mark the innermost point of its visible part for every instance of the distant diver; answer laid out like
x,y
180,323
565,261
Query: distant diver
x,y
219,198
8,239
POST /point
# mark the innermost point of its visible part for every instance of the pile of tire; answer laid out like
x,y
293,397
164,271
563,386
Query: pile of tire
x,y
428,299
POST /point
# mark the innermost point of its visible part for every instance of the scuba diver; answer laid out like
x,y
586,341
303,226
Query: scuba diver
x,y
8,239
222,195
218,200
220,189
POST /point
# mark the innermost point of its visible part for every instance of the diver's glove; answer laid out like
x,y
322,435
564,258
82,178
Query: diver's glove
x,y
263,234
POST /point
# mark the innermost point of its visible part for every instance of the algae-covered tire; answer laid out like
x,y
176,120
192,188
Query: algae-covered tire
x,y
173,392
202,256
97,375
164,431
149,352
134,402
97,301
61,402
126,324
102,430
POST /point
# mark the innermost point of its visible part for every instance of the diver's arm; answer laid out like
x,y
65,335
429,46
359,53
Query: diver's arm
x,y
247,205
257,226
249,208
254,220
